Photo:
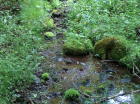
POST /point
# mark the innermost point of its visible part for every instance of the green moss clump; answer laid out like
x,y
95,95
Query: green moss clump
x,y
71,94
111,48
45,76
49,34
49,23
77,46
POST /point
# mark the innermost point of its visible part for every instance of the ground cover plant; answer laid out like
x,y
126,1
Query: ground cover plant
x,y
20,41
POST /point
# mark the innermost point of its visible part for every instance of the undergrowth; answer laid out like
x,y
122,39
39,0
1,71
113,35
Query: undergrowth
x,y
20,41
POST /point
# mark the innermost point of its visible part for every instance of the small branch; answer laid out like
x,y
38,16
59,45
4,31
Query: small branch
x,y
138,70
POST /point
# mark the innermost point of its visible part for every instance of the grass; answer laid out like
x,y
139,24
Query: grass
x,y
18,57
20,41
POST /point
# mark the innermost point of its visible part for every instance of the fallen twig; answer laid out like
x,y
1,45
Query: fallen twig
x,y
138,70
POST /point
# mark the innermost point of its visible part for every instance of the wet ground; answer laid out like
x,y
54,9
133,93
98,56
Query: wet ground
x,y
94,78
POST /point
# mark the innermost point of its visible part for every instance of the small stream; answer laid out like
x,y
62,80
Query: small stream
x,y
91,76
87,74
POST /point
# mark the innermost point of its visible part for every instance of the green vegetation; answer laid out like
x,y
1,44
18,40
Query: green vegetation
x,y
133,58
55,3
137,99
20,41
45,76
9,5
71,94
96,20
109,29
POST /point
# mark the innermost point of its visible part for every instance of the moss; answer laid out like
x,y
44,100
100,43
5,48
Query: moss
x,y
49,34
77,46
71,94
45,76
49,23
111,48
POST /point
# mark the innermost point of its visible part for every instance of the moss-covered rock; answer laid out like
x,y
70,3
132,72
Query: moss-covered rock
x,y
49,23
77,46
49,34
71,94
45,76
111,48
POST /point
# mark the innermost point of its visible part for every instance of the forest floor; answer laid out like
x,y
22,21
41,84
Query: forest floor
x,y
95,79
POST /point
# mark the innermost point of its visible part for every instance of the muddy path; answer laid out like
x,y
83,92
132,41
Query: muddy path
x,y
89,75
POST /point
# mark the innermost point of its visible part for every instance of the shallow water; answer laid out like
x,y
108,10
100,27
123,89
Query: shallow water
x,y
87,74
